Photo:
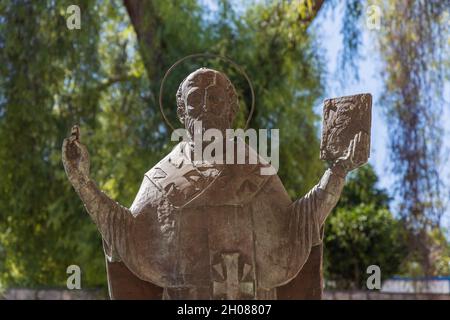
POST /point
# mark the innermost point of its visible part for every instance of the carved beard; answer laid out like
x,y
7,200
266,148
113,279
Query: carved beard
x,y
209,121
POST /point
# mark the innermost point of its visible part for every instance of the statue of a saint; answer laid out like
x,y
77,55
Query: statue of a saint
x,y
200,230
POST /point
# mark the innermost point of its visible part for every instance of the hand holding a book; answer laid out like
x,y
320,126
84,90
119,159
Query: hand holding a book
x,y
357,153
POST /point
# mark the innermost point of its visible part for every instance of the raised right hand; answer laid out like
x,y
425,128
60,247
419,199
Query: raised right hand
x,y
75,158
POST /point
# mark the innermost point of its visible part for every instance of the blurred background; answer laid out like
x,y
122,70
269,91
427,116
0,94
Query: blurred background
x,y
106,74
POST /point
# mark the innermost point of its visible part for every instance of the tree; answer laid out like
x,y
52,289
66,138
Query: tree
x,y
413,47
414,100
362,232
44,87
106,80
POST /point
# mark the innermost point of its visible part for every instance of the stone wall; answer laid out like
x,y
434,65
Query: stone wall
x,y
52,294
377,295
59,294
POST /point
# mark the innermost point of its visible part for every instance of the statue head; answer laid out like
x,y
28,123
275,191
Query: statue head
x,y
207,95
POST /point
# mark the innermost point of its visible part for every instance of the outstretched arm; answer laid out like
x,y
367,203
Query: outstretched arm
x,y
322,198
308,214
110,217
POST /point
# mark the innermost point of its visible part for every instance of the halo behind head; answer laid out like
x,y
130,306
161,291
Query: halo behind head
x,y
209,56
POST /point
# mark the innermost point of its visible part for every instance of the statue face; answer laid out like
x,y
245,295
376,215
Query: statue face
x,y
205,96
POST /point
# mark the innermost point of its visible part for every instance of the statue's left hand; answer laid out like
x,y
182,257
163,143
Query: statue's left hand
x,y
357,153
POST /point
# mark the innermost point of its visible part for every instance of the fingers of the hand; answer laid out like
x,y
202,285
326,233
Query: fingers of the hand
x,y
363,148
72,138
71,150
75,133
69,144
345,155
64,149
367,144
65,142
82,148
350,149
356,145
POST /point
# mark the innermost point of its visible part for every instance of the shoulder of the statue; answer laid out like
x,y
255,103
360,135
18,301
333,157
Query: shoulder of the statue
x,y
185,184
172,161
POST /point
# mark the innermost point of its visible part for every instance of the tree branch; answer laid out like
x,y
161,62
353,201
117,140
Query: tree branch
x,y
145,22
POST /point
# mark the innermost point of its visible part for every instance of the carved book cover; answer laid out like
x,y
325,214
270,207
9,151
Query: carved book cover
x,y
344,119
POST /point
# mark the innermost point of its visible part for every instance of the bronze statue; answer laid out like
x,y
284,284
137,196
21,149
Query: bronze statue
x,y
216,231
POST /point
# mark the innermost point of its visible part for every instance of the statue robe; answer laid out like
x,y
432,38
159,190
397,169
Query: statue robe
x,y
215,232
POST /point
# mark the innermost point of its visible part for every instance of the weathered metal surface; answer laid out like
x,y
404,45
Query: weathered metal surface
x,y
220,231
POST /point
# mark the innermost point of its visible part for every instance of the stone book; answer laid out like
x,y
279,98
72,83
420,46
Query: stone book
x,y
345,119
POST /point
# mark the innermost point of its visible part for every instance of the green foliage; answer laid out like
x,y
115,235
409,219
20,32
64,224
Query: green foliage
x,y
362,232
107,80
414,51
361,188
102,78
45,86
440,252
439,256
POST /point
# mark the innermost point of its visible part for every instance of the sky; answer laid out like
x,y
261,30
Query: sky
x,y
327,27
